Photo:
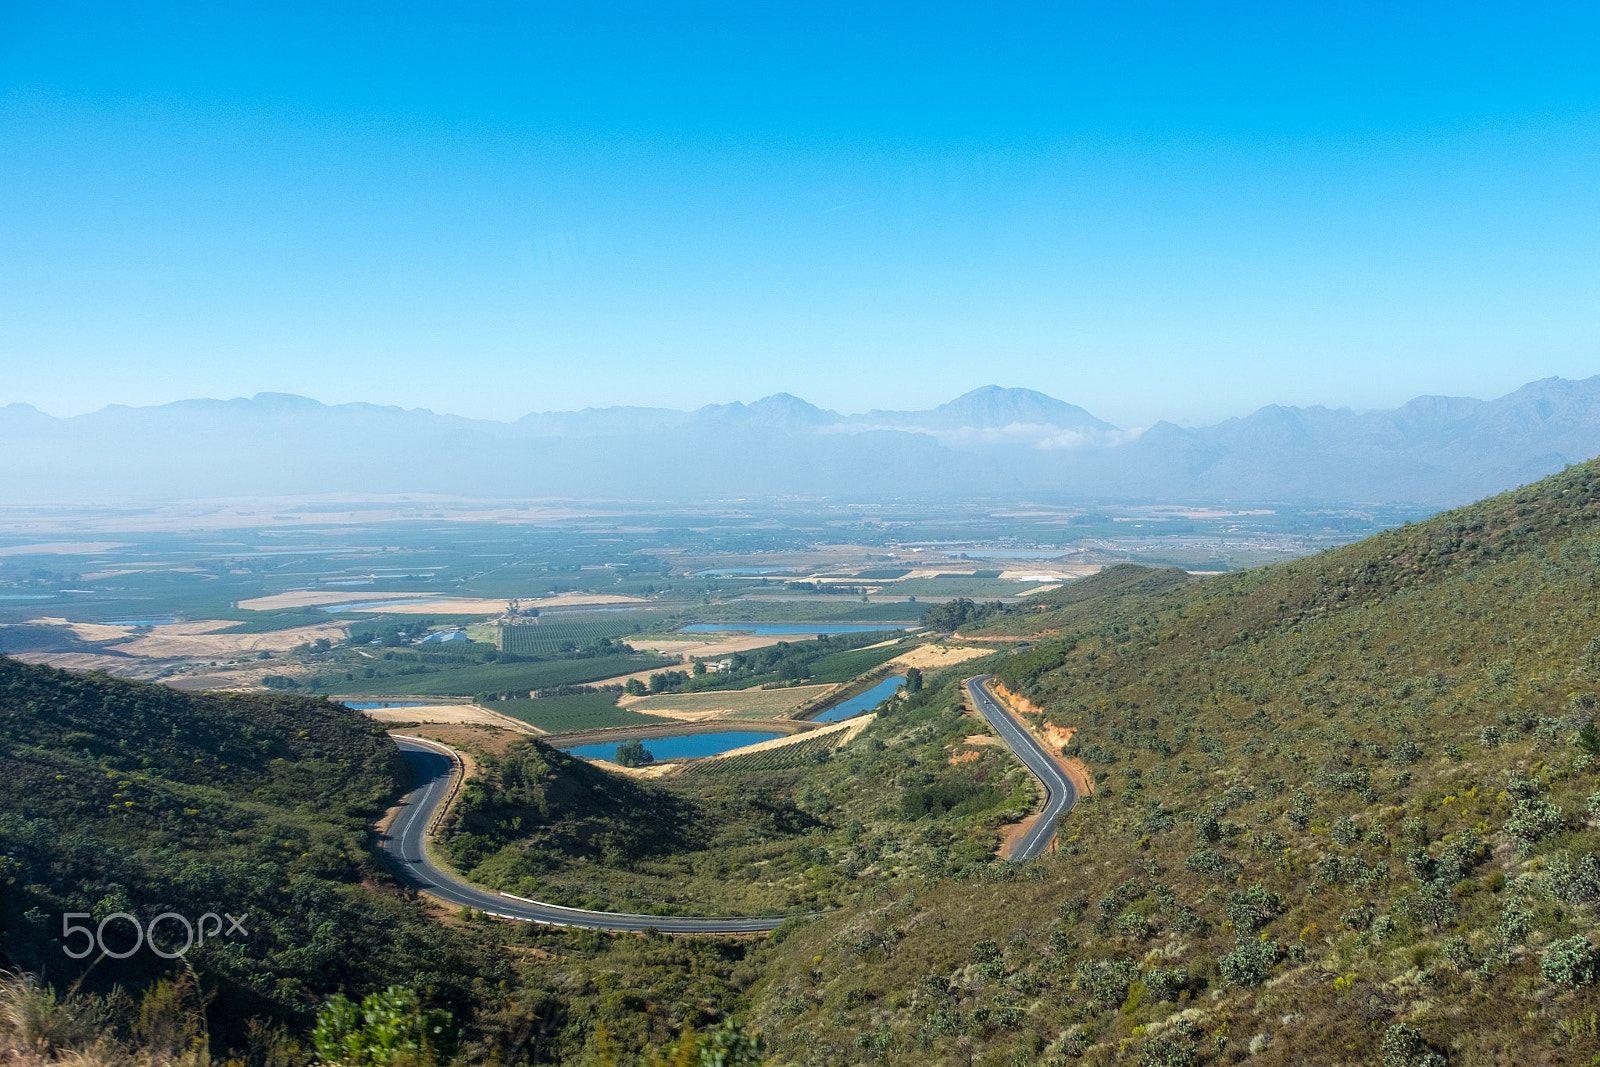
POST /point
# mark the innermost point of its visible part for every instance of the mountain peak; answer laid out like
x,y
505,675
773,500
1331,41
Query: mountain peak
x,y
780,410
995,407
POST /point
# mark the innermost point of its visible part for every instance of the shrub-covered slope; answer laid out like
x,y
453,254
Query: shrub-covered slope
x,y
894,807
1347,815
118,796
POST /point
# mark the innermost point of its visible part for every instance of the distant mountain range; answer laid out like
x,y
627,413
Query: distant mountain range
x,y
990,443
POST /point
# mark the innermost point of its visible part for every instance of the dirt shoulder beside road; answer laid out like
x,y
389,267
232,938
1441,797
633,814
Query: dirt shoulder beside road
x,y
1052,738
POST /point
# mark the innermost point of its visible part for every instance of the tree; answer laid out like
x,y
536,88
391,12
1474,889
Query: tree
x,y
634,754
954,614
1589,738
913,680
634,688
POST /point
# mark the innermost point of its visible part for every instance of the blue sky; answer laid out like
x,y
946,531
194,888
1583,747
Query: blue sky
x,y
1155,211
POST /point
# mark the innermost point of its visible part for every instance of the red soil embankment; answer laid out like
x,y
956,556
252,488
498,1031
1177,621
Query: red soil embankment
x,y
1053,737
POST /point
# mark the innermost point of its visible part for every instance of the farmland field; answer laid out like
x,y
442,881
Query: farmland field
x,y
798,754
948,585
843,666
584,711
501,677
738,703
552,638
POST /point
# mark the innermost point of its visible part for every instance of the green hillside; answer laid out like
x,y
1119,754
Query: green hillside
x,y
117,796
1347,815
777,833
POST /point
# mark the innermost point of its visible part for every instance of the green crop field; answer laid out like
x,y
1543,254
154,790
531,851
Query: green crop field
x,y
471,679
782,757
552,638
739,703
584,711
945,585
843,666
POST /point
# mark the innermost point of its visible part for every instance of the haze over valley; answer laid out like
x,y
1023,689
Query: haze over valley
x,y
989,444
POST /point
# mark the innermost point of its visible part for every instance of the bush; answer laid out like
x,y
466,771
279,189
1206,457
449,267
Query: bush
x,y
1458,953
1572,962
1270,843
1170,1050
727,1045
387,1028
1575,882
1432,904
1404,753
1162,984
1254,908
1404,1046
1210,861
1105,982
1534,820
1249,963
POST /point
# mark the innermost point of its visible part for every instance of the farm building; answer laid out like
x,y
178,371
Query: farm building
x,y
446,637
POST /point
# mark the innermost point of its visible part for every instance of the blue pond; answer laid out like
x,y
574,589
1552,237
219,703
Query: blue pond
x,y
381,704
165,620
682,746
864,702
782,628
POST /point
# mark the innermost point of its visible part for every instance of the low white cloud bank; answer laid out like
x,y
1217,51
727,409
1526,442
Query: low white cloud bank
x,y
1014,435
1089,439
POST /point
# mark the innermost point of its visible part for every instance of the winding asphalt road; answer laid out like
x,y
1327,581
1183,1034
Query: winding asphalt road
x,y
435,767
404,845
1058,790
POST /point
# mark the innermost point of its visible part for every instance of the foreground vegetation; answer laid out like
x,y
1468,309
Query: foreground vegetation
x,y
122,797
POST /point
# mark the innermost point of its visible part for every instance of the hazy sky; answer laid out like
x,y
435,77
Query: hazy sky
x,y
1178,211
